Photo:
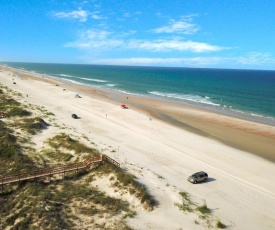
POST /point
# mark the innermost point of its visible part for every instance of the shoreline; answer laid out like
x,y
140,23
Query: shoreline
x,y
253,137
225,110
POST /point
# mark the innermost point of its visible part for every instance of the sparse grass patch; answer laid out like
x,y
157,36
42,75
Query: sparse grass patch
x,y
11,106
66,142
130,214
33,125
11,156
125,179
49,113
187,204
220,225
160,177
18,111
57,155
203,209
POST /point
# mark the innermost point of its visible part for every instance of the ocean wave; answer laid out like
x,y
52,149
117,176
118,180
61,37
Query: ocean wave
x,y
250,113
186,97
65,75
71,81
111,85
125,92
259,117
91,79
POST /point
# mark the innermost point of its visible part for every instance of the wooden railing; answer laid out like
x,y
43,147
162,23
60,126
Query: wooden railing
x,y
62,169
109,159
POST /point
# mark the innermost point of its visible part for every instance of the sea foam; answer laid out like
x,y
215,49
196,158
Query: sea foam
x,y
65,75
186,97
92,79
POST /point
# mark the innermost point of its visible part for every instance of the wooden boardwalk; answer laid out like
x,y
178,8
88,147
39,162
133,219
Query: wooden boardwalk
x,y
62,169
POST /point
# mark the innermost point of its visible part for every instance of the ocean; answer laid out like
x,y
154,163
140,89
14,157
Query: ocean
x,y
248,94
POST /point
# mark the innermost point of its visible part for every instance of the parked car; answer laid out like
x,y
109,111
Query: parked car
x,y
198,177
74,116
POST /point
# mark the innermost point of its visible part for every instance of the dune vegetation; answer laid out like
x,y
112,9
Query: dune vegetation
x,y
69,202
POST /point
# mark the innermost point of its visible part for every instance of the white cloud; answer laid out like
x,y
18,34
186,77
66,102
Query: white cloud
x,y
80,15
95,15
104,39
138,61
189,17
174,45
95,39
255,58
181,27
234,62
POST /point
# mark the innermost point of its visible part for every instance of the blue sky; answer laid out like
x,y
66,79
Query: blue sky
x,y
186,33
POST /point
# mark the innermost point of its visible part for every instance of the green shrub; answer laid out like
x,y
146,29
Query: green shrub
x,y
219,224
204,209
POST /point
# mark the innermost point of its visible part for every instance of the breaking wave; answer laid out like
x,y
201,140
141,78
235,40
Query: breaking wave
x,y
186,97
92,79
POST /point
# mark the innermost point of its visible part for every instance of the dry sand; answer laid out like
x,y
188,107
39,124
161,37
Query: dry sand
x,y
163,151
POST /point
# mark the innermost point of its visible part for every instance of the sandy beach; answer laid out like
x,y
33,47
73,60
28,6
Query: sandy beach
x,y
162,143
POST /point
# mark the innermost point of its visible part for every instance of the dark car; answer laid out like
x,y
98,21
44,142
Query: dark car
x,y
74,116
198,177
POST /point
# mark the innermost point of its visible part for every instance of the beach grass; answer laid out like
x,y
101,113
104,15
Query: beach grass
x,y
186,205
203,209
220,225
60,204
65,141
125,179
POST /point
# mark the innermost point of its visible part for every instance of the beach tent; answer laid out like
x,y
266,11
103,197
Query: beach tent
x,y
77,96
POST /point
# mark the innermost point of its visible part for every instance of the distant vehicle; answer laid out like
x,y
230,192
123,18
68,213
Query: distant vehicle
x,y
123,106
198,177
74,116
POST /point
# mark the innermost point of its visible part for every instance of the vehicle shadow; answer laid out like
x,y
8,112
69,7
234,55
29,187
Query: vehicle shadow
x,y
210,179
